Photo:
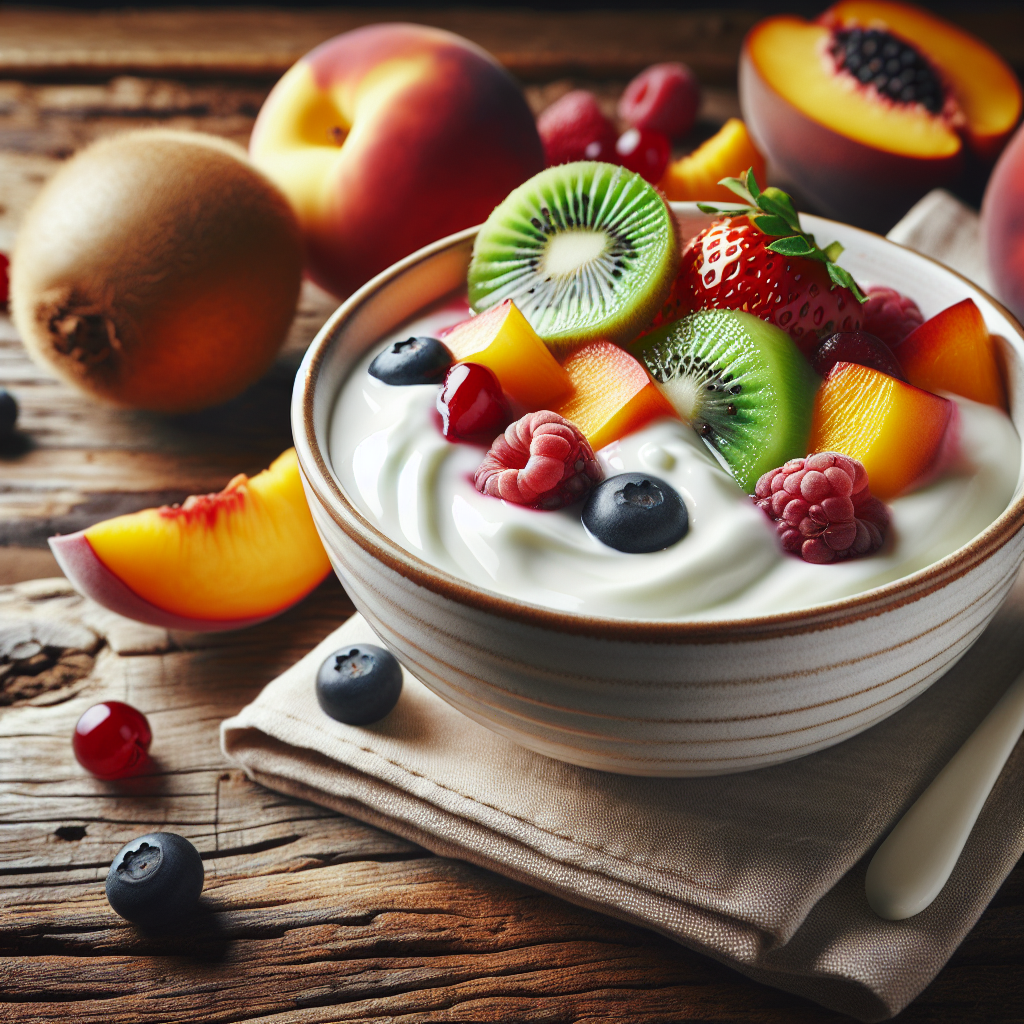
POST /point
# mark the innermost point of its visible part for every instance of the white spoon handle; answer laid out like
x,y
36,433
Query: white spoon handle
x,y
910,868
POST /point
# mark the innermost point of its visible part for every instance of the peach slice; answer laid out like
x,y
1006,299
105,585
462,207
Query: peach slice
x,y
727,154
953,351
903,436
219,561
502,339
858,155
613,394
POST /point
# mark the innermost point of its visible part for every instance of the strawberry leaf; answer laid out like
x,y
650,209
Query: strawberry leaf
x,y
771,225
737,188
774,200
752,188
728,208
795,245
842,277
833,251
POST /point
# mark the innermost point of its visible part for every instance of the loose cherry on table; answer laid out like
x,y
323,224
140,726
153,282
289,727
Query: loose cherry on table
x,y
111,740
472,404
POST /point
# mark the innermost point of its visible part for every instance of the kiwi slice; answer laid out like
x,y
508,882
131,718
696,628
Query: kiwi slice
x,y
587,251
742,384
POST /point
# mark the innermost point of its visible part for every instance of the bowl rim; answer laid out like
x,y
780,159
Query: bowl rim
x,y
314,464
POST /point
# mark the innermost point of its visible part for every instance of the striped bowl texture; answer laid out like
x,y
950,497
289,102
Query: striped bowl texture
x,y
653,697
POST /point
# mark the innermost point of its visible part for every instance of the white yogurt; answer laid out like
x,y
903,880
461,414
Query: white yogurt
x,y
417,488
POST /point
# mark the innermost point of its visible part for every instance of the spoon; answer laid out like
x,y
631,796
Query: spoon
x,y
910,868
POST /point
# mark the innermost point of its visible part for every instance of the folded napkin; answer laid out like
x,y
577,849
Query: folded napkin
x,y
762,870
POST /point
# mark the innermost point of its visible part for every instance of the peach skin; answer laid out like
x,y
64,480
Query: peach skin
x,y
387,138
219,561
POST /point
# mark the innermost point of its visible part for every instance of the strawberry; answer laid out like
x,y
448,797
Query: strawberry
x,y
759,260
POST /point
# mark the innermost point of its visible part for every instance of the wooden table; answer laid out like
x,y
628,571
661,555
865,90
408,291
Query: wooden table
x,y
306,916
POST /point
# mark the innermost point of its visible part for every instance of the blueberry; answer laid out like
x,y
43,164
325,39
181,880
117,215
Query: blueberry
x,y
413,361
636,513
359,685
8,413
155,880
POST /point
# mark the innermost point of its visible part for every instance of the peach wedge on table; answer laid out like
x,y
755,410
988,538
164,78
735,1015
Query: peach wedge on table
x,y
903,436
218,561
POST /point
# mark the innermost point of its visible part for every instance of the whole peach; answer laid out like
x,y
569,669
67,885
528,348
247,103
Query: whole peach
x,y
387,138
1002,219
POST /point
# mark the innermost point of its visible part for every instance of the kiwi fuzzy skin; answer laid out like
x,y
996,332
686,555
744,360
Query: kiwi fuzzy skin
x,y
157,270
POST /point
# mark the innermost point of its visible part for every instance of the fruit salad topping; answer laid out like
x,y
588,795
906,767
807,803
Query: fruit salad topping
x,y
772,212
636,513
542,460
856,347
471,404
889,315
823,508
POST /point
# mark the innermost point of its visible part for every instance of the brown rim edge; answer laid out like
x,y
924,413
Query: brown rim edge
x,y
871,603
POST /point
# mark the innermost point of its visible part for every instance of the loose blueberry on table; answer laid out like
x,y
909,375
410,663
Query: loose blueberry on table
x,y
419,360
636,513
8,413
359,685
111,740
155,880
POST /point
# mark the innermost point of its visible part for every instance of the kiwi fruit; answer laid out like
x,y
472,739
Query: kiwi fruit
x,y
157,269
740,382
587,251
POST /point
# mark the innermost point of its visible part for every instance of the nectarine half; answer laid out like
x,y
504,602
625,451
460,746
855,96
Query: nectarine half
x,y
873,104
218,561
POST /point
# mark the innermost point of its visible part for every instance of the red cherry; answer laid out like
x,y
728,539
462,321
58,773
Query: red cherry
x,y
471,404
664,98
111,740
645,152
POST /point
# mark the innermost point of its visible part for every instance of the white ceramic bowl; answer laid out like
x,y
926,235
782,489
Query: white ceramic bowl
x,y
653,697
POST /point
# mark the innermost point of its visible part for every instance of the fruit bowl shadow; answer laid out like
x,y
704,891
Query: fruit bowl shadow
x,y
654,697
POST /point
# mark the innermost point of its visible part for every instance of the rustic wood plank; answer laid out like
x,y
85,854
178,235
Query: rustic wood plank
x,y
264,43
308,916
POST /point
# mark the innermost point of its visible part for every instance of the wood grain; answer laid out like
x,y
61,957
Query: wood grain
x,y
308,916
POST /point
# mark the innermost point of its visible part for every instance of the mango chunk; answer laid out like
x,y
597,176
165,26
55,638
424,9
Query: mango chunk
x,y
502,339
900,433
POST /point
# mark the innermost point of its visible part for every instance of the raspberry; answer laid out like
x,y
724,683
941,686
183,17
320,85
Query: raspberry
x,y
889,315
822,508
574,128
542,460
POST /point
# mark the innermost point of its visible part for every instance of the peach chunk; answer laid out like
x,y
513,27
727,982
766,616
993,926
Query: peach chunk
x,y
953,351
727,154
613,395
902,435
502,339
218,561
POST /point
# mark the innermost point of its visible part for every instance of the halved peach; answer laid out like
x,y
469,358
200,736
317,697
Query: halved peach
x,y
613,394
727,154
904,436
218,561
502,339
953,351
857,154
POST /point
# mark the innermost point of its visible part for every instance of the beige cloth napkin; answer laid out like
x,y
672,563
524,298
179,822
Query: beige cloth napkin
x,y
762,870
